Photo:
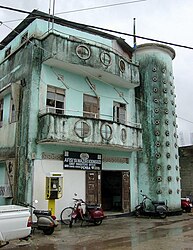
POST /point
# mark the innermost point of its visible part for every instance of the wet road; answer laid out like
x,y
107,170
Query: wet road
x,y
175,232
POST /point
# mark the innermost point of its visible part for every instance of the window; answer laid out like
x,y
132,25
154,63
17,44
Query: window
x,y
1,113
90,106
55,100
119,112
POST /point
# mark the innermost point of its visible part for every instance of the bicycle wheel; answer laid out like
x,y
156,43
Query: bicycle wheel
x,y
65,215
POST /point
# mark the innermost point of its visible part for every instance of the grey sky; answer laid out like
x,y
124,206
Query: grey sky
x,y
166,20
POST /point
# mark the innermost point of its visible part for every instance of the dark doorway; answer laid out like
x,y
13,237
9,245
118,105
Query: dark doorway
x,y
111,190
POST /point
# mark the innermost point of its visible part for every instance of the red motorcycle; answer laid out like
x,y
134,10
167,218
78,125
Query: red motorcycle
x,y
186,204
91,213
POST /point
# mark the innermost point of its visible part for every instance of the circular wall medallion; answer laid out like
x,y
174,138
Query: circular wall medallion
x,y
166,122
167,144
157,133
122,65
154,78
154,69
169,167
83,51
156,100
159,178
156,110
82,129
105,58
106,131
158,144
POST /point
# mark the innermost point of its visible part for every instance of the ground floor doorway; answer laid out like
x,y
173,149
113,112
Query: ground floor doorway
x,y
115,191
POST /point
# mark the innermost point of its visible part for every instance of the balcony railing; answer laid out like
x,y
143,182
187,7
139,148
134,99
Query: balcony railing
x,y
63,129
93,59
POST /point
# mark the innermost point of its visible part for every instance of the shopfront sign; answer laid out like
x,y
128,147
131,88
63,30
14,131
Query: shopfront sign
x,y
82,161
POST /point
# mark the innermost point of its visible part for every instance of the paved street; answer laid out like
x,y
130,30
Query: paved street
x,y
174,232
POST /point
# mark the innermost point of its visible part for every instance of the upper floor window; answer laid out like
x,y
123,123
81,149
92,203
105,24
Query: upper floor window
x,y
90,106
1,113
119,112
7,52
55,100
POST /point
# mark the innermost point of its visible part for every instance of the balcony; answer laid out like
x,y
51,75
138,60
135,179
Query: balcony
x,y
87,132
90,59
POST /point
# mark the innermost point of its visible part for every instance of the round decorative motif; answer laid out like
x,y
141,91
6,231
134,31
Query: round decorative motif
x,y
154,78
122,65
159,178
83,51
173,112
175,135
169,167
166,122
157,155
172,92
177,178
163,70
158,167
106,131
156,110
154,69
155,90
165,90
174,123
123,135
165,101
175,145
167,144
169,178
170,191
159,191
167,133
178,191
176,156
157,133
164,81
177,167
82,129
156,100
166,111
157,122
105,58
172,102
168,155
158,144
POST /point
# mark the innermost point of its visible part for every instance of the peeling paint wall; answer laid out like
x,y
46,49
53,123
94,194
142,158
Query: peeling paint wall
x,y
159,175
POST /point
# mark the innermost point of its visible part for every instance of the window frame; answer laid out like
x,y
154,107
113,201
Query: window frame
x,y
118,107
56,92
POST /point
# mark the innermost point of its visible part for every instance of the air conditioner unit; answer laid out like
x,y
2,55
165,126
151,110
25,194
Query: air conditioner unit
x,y
5,191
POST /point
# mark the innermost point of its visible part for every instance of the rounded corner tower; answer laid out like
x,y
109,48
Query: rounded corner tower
x,y
158,162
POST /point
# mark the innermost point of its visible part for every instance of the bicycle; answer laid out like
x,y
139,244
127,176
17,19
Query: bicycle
x,y
66,214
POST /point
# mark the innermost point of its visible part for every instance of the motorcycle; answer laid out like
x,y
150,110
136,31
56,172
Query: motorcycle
x,y
186,204
93,213
45,220
159,208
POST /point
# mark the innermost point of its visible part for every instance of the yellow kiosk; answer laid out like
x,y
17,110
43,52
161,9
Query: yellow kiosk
x,y
54,189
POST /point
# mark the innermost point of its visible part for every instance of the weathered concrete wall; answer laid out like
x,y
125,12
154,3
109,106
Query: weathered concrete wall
x,y
158,162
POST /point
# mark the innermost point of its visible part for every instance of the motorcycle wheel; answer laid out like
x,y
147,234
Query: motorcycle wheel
x,y
188,209
162,215
137,213
48,231
65,215
97,222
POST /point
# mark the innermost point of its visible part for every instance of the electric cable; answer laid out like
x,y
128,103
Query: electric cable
x,y
87,72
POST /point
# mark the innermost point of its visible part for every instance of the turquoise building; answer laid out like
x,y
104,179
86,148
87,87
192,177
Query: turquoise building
x,y
79,103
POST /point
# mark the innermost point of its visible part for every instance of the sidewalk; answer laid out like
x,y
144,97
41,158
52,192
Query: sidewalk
x,y
113,232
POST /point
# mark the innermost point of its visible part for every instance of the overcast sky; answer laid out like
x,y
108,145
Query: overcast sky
x,y
166,20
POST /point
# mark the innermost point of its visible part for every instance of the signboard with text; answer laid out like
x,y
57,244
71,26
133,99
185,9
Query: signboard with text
x,y
82,161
